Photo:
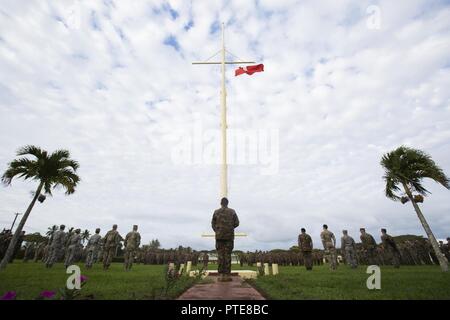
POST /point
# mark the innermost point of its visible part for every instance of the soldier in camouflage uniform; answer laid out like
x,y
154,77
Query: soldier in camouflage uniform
x,y
224,221
110,243
369,245
305,244
446,249
132,242
30,249
39,252
92,248
390,246
329,244
56,249
74,242
348,248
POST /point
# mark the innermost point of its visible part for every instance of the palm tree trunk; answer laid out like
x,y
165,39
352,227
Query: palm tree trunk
x,y
442,259
15,238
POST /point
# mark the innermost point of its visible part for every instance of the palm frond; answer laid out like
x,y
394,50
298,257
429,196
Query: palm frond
x,y
33,150
410,166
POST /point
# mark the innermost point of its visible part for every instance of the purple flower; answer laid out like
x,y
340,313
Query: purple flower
x,y
83,278
48,294
10,295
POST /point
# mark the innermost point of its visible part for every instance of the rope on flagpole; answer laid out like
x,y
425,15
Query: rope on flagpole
x,y
234,55
215,54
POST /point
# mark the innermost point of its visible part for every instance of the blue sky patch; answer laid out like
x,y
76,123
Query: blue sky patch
x,y
172,41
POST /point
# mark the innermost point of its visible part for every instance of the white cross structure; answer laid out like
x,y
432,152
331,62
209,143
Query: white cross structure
x,y
224,168
213,235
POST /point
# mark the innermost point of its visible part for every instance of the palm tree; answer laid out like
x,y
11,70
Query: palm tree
x,y
85,235
55,170
154,244
406,167
51,231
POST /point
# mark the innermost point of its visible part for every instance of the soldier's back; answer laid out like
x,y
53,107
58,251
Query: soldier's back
x,y
224,222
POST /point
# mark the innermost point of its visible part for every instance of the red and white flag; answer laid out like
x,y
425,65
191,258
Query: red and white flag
x,y
249,70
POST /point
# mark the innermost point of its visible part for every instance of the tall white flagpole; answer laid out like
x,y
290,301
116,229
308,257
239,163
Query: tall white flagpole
x,y
224,169
223,116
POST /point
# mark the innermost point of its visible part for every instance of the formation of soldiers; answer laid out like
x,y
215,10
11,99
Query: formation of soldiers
x,y
67,247
368,252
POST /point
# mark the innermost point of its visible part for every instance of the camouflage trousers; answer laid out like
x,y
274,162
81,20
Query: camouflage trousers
x,y
129,257
224,249
70,255
350,257
395,257
307,257
371,256
91,257
53,255
330,252
108,255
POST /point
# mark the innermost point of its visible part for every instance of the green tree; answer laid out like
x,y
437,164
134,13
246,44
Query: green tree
x,y
34,237
154,244
85,235
406,168
51,171
51,231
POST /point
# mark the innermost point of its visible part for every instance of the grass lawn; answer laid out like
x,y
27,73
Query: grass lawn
x,y
29,279
143,281
408,282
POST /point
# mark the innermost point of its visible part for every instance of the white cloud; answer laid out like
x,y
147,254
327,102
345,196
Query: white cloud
x,y
112,92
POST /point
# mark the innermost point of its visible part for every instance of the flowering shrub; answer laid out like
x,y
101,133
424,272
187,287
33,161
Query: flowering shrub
x,y
47,294
10,295
66,294
72,294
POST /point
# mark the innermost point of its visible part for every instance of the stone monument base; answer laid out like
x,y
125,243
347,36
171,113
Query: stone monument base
x,y
244,274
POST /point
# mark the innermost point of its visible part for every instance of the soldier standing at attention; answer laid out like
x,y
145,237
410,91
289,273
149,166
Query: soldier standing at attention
x,y
348,247
92,248
39,251
329,244
369,245
56,246
390,246
205,260
74,242
111,241
446,249
132,242
306,245
224,221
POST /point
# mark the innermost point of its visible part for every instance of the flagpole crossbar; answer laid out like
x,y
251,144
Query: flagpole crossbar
x,y
226,62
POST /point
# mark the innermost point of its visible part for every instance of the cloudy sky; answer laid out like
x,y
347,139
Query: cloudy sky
x,y
112,81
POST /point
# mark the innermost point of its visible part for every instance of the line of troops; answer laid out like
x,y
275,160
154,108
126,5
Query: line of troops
x,y
369,253
67,247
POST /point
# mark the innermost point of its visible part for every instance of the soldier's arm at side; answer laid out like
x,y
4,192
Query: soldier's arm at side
x,y
213,221
236,219
322,237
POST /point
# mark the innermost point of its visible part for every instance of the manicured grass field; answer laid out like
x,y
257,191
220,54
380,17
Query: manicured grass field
x,y
142,282
408,282
146,281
